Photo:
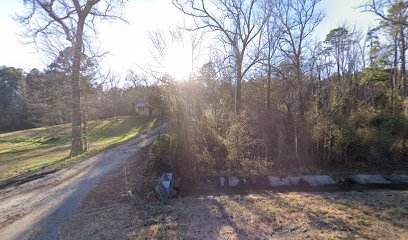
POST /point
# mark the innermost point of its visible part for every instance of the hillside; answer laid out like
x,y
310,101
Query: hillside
x,y
24,153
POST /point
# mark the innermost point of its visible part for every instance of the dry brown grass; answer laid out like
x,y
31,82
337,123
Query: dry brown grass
x,y
108,214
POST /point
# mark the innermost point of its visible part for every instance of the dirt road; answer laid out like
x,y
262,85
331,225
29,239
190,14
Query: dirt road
x,y
38,209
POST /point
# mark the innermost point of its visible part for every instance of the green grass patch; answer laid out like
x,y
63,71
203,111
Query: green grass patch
x,y
27,151
272,209
344,206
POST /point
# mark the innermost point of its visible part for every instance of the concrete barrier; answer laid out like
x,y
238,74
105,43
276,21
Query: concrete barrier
x,y
164,187
398,178
222,181
307,182
369,179
318,180
294,180
278,182
233,181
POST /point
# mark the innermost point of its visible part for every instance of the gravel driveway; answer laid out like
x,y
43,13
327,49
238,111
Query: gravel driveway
x,y
37,209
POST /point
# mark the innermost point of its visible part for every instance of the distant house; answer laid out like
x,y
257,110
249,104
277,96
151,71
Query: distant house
x,y
144,109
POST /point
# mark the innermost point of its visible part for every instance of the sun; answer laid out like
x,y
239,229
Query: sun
x,y
178,62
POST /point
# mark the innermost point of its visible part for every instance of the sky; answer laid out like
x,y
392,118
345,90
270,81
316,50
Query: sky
x,y
128,44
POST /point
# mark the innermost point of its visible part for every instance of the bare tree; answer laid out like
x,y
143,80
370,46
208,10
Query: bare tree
x,y
162,43
50,21
271,38
240,23
298,19
194,39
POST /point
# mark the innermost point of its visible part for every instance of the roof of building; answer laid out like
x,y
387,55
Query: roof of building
x,y
141,105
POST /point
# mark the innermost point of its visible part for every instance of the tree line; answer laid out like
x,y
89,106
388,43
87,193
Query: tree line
x,y
274,99
43,97
270,97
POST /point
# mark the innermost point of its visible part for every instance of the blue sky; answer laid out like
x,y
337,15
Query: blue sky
x,y
128,44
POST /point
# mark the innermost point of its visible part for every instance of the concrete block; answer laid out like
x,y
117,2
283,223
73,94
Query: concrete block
x,y
294,180
222,181
277,181
233,181
398,178
370,179
318,180
166,186
285,181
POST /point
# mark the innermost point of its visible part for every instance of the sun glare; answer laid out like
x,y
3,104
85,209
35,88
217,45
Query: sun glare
x,y
178,62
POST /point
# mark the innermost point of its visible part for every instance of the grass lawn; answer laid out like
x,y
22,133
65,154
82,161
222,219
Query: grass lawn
x,y
256,215
30,150
108,213
272,215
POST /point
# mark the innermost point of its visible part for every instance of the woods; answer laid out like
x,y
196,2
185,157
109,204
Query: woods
x,y
203,119
276,100
43,98
263,93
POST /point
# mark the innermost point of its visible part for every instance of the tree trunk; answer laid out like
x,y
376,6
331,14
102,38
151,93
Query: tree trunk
x,y
296,144
268,98
85,123
403,75
394,75
338,70
76,138
238,104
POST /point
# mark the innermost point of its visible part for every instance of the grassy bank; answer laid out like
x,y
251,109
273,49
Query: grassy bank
x,y
108,213
25,152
